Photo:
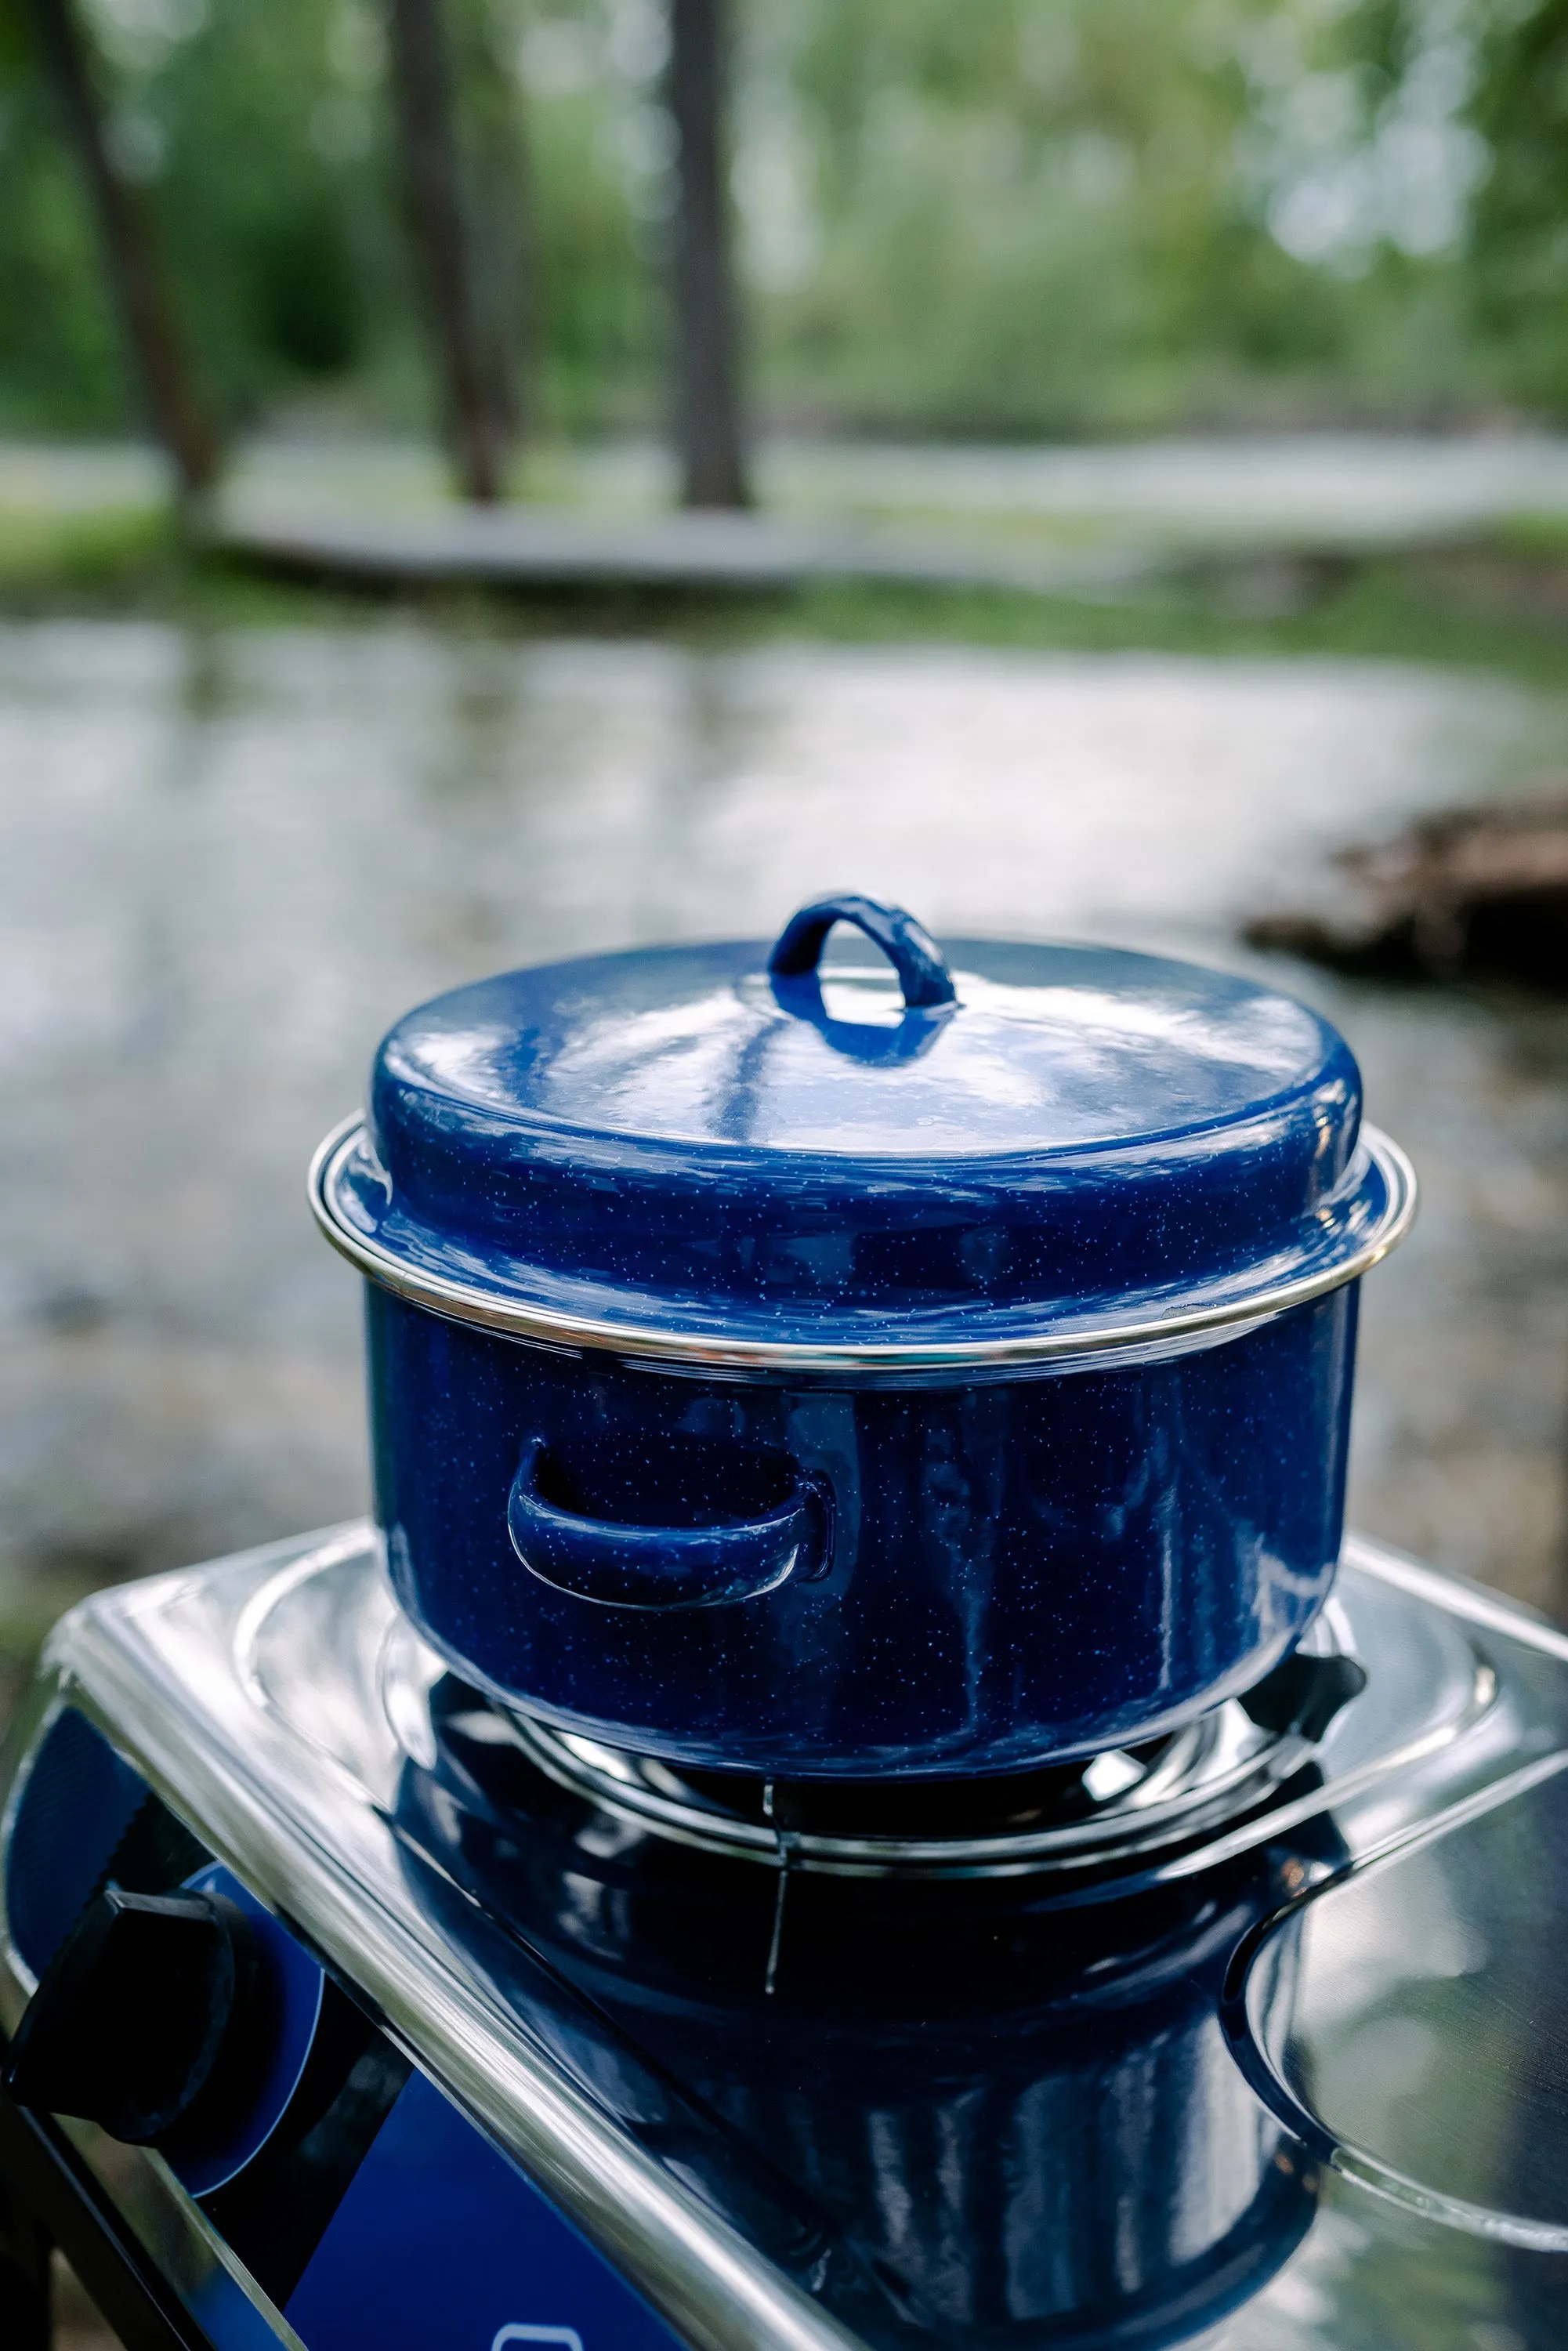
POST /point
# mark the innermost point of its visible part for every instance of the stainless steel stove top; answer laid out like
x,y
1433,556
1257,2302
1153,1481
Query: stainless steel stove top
x,y
1125,1803
1257,2037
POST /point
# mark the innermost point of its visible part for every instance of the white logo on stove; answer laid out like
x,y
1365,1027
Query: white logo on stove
x,y
567,2336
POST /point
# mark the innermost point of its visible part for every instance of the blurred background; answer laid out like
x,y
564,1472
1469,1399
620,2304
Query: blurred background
x,y
1020,218
485,479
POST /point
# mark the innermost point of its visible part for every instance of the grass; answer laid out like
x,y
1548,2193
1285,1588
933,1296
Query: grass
x,y
1538,538
54,560
1381,611
1499,603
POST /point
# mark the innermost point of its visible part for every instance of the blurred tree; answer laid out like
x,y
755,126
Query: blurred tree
x,y
253,138
1021,216
708,427
499,222
134,265
1520,246
260,137
477,422
61,357
599,312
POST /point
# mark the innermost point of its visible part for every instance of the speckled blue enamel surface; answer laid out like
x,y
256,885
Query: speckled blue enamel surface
x,y
992,1571
1019,1569
677,1137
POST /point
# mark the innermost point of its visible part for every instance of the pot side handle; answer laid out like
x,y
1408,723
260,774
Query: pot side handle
x,y
907,945
615,1565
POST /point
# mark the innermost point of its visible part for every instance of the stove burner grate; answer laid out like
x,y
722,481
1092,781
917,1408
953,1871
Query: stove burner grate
x,y
1124,1803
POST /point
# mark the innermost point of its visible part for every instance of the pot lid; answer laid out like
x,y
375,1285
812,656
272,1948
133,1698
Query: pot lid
x,y
732,1154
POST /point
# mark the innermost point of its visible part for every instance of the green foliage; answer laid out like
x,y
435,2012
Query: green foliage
x,y
1521,217
1085,215
1028,219
266,183
60,363
1016,216
267,180
92,554
597,294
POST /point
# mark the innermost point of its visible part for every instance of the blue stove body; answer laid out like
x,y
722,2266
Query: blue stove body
x,y
1260,2039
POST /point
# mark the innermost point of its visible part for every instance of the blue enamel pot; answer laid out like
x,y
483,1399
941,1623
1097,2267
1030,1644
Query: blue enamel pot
x,y
927,1365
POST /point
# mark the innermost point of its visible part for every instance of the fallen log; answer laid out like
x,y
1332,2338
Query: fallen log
x,y
1474,892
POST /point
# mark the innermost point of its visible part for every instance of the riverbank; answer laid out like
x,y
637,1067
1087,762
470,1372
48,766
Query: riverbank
x,y
1497,601
1451,550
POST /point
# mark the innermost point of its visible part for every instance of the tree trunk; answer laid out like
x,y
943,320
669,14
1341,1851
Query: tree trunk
x,y
174,407
421,78
499,215
707,319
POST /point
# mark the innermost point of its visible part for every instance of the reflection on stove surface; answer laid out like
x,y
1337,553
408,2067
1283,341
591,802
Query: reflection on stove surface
x,y
1023,2119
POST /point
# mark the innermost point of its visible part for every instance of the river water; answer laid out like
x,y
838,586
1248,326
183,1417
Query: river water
x,y
227,861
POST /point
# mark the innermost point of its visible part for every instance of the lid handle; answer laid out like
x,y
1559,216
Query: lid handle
x,y
907,945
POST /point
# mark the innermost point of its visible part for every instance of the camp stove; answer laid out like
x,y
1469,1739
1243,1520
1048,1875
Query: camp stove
x,y
430,2025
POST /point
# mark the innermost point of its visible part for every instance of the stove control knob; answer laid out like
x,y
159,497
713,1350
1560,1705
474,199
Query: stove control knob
x,y
139,2019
